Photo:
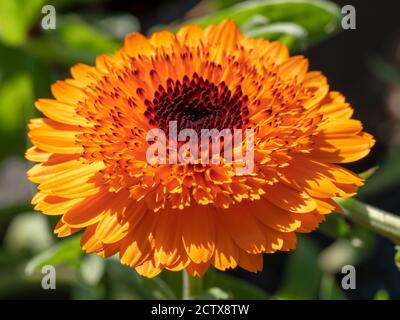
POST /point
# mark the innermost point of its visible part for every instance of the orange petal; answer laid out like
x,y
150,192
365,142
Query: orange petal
x,y
294,68
199,243
91,210
309,221
63,230
67,93
168,245
222,38
250,262
149,269
54,137
288,198
342,150
61,112
243,228
137,44
78,182
190,35
137,246
54,205
273,216
197,269
226,252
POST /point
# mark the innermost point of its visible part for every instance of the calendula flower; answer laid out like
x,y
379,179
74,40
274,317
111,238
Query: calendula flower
x,y
91,151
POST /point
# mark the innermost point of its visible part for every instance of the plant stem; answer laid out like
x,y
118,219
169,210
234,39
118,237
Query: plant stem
x,y
377,220
191,286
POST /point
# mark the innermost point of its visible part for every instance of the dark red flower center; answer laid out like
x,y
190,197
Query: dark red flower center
x,y
197,104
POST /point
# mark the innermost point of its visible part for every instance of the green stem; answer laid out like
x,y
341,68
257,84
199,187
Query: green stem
x,y
191,286
383,223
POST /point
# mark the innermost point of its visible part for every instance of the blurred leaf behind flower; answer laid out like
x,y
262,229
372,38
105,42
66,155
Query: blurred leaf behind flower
x,y
297,23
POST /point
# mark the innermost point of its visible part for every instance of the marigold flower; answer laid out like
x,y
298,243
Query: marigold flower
x,y
91,151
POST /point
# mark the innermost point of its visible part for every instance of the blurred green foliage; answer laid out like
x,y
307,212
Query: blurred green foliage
x,y
16,18
32,58
297,23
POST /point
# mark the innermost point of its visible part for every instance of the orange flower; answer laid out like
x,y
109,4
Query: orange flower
x,y
91,151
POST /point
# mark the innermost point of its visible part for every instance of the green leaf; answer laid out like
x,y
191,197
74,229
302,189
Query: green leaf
x,y
397,257
116,26
374,219
369,173
125,283
16,18
173,281
77,33
67,251
317,19
329,289
219,4
74,40
214,293
301,274
290,34
382,295
335,226
388,176
15,95
237,288
22,79
16,103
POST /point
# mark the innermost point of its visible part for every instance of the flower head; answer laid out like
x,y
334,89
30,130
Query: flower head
x,y
91,151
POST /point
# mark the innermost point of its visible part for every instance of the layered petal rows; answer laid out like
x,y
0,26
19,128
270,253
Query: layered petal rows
x,y
91,146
